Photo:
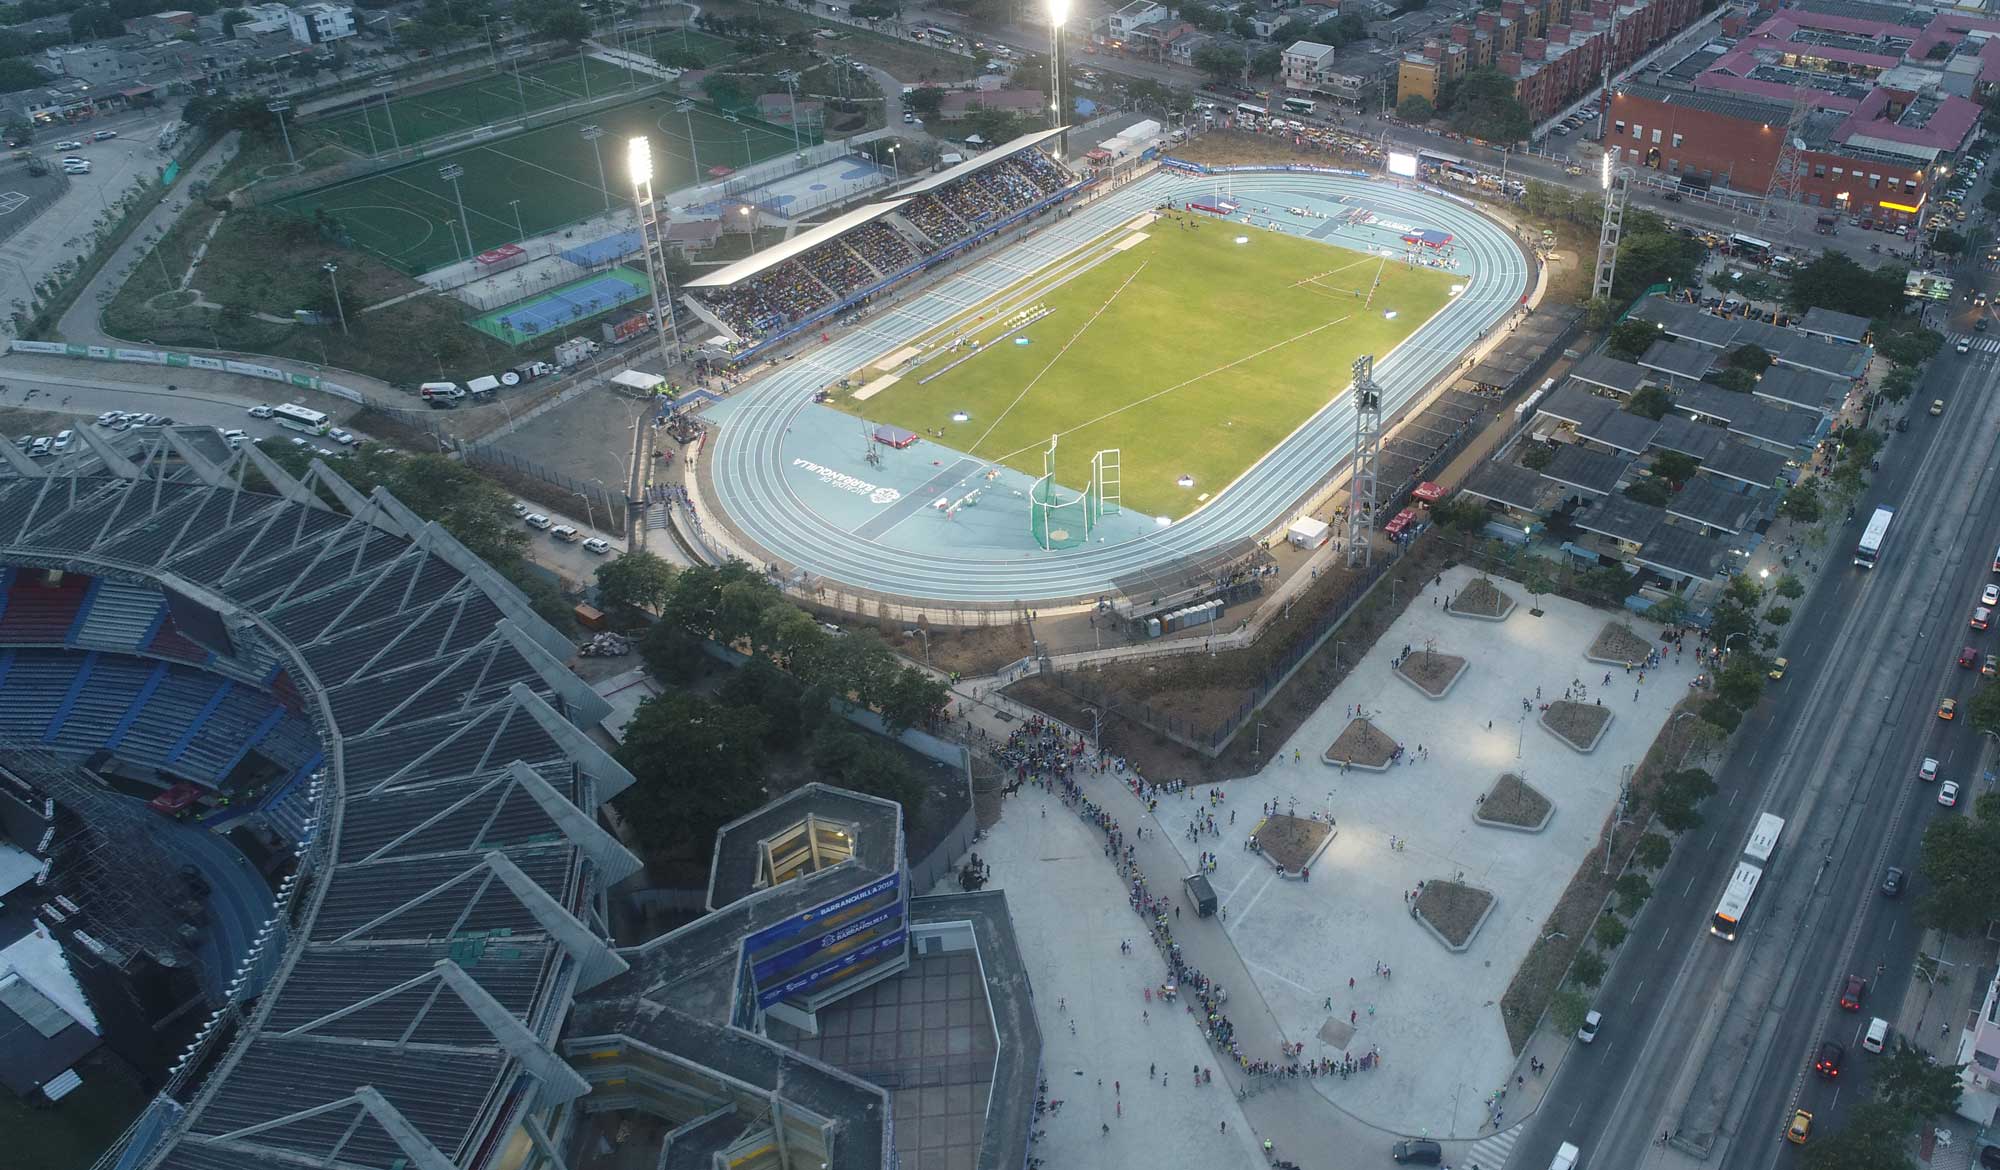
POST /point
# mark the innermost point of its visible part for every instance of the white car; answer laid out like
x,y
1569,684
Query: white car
x,y
63,441
261,410
565,533
344,438
521,509
40,447
234,438
598,545
1928,769
1963,346
537,520
1948,794
1990,595
302,444
1591,1023
109,417
69,144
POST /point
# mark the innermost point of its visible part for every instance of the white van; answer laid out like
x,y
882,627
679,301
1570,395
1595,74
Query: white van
x,y
1877,1036
441,394
1568,1157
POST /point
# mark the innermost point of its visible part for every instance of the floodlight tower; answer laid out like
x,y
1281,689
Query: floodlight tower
x,y
1364,464
1058,16
652,237
1617,186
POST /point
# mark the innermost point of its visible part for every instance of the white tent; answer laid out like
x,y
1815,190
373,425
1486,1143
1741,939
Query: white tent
x,y
1307,532
637,380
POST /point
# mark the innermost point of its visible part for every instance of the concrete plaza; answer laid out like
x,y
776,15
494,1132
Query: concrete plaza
x,y
1436,1019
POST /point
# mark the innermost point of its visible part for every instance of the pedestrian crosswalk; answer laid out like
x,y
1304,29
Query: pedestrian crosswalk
x,y
1976,342
1490,1153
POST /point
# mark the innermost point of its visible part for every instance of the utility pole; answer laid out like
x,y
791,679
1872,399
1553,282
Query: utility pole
x,y
279,109
332,271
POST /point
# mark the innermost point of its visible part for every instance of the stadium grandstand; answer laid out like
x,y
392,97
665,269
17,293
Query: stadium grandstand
x,y
848,260
214,673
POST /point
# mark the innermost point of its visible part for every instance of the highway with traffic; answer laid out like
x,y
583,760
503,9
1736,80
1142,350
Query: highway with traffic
x,y
1712,1041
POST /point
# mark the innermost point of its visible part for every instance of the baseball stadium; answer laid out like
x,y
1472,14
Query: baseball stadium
x,y
1014,383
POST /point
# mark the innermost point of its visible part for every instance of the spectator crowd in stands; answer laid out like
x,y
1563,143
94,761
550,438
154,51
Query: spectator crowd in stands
x,y
837,269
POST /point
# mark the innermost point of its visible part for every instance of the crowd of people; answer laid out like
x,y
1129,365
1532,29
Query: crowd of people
x,y
839,268
1052,757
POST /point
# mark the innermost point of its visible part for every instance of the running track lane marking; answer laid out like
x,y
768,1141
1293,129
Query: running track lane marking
x,y
916,501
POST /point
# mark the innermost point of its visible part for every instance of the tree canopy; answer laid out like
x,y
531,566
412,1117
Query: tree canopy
x,y
696,765
1833,280
1483,105
1957,859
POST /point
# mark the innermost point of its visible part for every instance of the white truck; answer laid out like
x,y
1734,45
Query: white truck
x,y
526,372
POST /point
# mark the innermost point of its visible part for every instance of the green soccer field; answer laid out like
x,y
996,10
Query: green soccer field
x,y
495,98
1191,353
548,177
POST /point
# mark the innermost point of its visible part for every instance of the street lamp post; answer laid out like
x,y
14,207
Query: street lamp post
x,y
591,134
1058,16
520,233
791,79
332,271
652,237
589,512
279,109
452,173
896,163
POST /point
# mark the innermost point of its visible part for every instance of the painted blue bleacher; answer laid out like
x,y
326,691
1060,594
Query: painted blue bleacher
x,y
117,684
76,689
156,676
34,688
172,710
120,617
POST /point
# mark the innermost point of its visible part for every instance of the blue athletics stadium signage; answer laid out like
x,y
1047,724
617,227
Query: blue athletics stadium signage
x,y
867,956
820,915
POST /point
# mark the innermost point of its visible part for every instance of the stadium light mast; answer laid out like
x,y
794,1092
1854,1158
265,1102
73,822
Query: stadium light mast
x,y
332,271
452,173
279,109
652,237
686,110
1058,16
1617,182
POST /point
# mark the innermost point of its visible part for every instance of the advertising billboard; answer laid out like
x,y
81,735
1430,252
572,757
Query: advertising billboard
x,y
1402,164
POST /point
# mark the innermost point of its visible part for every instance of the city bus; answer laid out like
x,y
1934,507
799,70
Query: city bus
x,y
1757,853
1751,245
1251,110
1299,106
299,418
1870,547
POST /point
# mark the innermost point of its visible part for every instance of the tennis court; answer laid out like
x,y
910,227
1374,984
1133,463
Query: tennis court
x,y
528,320
498,97
533,182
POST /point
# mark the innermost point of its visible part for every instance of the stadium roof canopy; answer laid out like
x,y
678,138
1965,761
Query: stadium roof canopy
x,y
771,257
402,1009
798,245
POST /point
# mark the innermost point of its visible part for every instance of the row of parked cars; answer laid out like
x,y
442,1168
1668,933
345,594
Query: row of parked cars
x,y
44,445
563,532
1574,121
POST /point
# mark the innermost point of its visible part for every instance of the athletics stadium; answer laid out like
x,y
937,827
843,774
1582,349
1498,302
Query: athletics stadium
x,y
1009,382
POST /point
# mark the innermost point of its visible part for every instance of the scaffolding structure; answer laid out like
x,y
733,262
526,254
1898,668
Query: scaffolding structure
x,y
1788,175
1365,463
109,868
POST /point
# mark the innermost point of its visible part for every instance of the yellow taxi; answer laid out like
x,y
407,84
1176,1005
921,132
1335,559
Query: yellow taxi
x,y
1800,1129
1779,667
1947,708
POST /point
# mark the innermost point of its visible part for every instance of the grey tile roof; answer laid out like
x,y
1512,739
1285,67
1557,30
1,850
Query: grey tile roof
x,y
1591,471
1763,421
1620,518
1684,360
1674,549
1573,404
1804,389
1515,486
1680,433
1704,500
1628,432
1601,369
425,967
1835,326
1744,463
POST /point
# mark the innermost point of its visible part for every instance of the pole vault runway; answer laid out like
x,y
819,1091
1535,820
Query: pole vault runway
x,y
757,484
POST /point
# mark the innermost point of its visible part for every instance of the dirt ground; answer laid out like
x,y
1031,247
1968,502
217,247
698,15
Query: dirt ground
x,y
1453,908
1361,742
1290,841
15,422
1512,801
1432,672
588,438
1577,723
1483,598
1207,688
1618,642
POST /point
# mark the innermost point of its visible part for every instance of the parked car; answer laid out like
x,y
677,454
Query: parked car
x,y
598,545
69,144
40,447
343,437
235,438
63,441
537,520
109,417
261,410
566,534
521,509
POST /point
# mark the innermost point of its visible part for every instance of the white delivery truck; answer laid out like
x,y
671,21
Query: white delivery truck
x,y
1568,1157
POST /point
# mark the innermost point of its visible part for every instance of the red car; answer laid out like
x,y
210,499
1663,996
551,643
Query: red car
x,y
1852,992
177,801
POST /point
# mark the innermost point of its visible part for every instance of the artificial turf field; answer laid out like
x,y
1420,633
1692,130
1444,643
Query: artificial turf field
x,y
1191,353
407,215
493,98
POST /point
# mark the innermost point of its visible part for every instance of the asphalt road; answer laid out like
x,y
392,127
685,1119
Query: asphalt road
x,y
1834,749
